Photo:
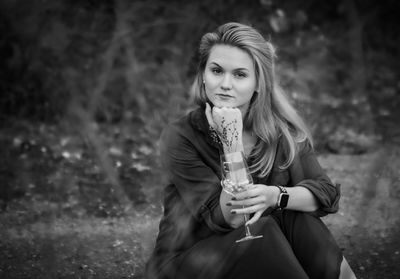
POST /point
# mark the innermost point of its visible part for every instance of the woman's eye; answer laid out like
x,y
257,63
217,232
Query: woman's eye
x,y
216,71
240,75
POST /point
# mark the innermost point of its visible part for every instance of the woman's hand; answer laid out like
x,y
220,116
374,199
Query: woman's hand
x,y
256,200
228,124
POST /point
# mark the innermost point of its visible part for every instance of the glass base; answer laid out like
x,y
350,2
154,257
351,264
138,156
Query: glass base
x,y
248,237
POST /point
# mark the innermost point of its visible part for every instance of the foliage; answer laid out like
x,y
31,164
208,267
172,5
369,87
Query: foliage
x,y
133,61
129,65
111,74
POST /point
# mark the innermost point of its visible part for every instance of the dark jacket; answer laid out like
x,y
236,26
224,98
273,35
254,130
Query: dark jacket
x,y
190,156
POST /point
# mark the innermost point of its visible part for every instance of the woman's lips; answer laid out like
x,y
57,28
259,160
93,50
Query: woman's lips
x,y
224,96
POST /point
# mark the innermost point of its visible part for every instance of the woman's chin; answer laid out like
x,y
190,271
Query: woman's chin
x,y
224,104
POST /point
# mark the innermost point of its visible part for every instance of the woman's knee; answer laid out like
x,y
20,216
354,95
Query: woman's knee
x,y
264,224
305,227
313,245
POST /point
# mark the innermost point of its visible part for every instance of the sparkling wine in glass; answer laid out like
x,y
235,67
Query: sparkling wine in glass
x,y
236,178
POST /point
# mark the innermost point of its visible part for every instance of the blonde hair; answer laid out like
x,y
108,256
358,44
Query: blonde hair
x,y
270,114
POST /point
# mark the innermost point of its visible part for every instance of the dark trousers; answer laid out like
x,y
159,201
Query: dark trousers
x,y
294,245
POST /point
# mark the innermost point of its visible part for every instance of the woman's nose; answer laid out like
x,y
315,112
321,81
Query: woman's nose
x,y
226,83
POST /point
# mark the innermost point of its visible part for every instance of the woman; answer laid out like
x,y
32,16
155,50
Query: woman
x,y
241,109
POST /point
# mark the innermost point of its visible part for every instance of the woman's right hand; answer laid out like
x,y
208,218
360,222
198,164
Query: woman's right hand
x,y
255,200
228,124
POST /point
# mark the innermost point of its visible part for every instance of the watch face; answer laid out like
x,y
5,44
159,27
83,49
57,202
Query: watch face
x,y
283,200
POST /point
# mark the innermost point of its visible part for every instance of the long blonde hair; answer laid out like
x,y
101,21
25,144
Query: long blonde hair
x,y
270,114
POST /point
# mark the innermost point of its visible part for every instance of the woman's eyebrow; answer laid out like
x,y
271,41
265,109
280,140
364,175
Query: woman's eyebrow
x,y
237,69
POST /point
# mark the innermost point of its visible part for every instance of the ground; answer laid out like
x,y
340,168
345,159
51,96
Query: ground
x,y
57,220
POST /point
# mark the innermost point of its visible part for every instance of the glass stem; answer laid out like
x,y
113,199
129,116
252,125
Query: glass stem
x,y
247,229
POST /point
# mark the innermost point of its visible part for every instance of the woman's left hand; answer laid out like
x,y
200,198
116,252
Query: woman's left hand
x,y
255,200
228,124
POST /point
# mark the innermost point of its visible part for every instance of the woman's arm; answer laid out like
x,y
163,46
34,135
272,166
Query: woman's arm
x,y
306,172
197,185
312,191
227,122
307,175
261,197
301,199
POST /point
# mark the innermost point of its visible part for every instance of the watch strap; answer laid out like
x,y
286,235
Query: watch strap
x,y
282,189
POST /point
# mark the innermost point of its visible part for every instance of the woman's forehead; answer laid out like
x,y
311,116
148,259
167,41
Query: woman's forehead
x,y
230,57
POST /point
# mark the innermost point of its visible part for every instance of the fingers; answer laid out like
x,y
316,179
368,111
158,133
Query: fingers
x,y
227,112
254,200
219,117
248,202
252,191
216,114
249,210
255,218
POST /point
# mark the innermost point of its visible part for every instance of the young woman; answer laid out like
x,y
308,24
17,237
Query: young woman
x,y
241,109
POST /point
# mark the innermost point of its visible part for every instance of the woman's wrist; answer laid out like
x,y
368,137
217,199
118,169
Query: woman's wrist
x,y
275,192
238,147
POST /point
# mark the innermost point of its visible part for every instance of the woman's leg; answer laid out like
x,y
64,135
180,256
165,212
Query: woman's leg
x,y
267,257
221,257
312,243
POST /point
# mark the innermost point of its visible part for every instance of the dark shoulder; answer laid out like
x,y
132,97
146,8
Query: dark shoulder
x,y
304,147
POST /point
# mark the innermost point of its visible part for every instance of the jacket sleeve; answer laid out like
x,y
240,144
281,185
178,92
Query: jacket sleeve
x,y
306,171
197,184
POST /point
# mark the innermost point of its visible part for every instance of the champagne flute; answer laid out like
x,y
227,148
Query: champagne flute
x,y
236,178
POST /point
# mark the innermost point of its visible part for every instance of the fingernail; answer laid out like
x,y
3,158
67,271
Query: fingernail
x,y
228,204
233,212
234,199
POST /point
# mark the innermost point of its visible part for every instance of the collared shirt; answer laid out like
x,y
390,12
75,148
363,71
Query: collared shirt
x,y
190,156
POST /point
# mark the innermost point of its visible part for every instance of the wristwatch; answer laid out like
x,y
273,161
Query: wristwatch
x,y
283,198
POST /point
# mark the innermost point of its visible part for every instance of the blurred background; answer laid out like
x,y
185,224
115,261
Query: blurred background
x,y
86,88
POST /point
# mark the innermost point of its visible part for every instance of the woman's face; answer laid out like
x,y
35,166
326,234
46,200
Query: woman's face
x,y
229,77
